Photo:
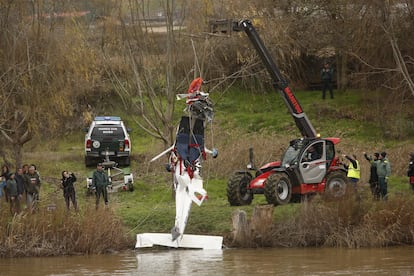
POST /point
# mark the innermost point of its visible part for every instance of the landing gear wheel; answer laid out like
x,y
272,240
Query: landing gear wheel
x,y
278,189
336,184
237,189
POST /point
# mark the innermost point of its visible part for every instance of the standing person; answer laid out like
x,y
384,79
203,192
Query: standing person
x,y
38,175
32,186
35,168
5,170
373,176
410,172
18,176
100,181
354,170
327,78
25,171
68,180
25,168
2,186
13,195
384,172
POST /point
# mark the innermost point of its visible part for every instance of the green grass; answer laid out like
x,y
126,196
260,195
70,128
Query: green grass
x,y
252,112
151,208
351,114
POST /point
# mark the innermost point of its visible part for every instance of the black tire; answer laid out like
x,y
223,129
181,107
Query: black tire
x,y
237,189
278,189
336,184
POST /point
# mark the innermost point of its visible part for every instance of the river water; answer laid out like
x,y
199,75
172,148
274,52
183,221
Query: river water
x,y
313,261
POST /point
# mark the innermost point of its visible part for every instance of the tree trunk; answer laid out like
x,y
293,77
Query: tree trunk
x,y
241,235
261,224
257,231
342,77
17,150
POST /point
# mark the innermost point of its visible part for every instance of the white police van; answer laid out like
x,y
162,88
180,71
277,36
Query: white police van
x,y
107,138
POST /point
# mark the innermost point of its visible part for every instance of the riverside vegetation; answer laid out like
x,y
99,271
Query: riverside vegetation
x,y
242,120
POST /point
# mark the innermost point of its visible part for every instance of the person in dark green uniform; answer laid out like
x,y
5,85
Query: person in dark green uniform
x,y
100,181
13,194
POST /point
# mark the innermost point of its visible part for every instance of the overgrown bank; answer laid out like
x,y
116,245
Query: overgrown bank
x,y
346,223
54,232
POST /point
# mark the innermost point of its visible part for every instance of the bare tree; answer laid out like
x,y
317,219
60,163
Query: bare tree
x,y
40,78
17,134
391,13
149,90
154,54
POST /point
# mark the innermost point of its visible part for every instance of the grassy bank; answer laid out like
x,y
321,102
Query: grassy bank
x,y
242,121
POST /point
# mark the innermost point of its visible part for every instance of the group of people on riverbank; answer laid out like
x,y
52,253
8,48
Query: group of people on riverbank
x,y
100,182
23,184
380,171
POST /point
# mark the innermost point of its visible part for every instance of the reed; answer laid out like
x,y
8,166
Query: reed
x,y
58,232
348,223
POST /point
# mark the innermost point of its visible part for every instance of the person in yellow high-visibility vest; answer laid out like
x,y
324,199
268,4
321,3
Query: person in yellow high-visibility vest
x,y
354,170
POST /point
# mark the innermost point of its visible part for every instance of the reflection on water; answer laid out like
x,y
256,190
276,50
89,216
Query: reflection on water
x,y
314,261
116,264
181,262
329,261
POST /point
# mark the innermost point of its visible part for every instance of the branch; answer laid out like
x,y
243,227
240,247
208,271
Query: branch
x,y
26,137
8,138
377,69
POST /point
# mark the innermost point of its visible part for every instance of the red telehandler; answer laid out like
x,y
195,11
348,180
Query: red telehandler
x,y
309,165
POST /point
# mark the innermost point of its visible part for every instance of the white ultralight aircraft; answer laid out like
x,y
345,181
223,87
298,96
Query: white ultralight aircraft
x,y
185,160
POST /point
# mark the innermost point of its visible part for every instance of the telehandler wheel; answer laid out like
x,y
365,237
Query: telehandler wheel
x,y
237,189
278,189
336,184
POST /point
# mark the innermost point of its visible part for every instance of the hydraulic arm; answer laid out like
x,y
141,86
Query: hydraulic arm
x,y
279,83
